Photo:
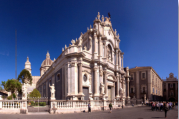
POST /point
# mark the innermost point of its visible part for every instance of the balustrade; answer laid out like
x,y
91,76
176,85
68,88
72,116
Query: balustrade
x,y
11,104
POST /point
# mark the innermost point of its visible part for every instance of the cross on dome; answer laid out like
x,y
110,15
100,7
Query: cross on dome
x,y
47,55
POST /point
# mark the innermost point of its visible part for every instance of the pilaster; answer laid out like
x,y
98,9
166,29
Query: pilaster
x,y
80,88
95,46
137,85
149,84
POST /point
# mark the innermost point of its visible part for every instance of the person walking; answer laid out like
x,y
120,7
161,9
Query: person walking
x,y
158,106
153,106
166,109
89,108
161,106
110,107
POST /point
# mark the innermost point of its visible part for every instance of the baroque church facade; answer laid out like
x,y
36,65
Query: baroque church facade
x,y
90,68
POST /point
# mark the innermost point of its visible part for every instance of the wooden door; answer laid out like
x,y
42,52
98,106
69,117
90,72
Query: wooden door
x,y
109,93
86,93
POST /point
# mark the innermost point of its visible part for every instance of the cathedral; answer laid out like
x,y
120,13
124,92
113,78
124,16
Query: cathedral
x,y
90,68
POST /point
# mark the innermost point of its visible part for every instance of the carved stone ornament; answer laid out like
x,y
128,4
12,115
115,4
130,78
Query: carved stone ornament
x,y
85,48
73,42
72,64
101,73
65,47
80,40
102,18
98,15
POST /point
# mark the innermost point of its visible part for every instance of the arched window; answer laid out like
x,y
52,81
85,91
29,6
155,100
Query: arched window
x,y
109,53
85,78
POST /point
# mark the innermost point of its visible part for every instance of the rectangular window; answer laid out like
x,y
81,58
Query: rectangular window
x,y
143,89
143,75
132,76
153,90
131,90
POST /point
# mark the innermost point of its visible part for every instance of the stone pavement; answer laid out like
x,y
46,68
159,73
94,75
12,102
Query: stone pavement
x,y
136,112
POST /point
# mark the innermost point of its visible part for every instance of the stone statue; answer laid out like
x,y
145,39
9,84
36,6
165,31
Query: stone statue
x,y
24,92
52,90
102,88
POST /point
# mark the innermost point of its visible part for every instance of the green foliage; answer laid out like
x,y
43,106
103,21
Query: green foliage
x,y
42,103
9,97
13,84
13,95
3,83
1,88
35,93
25,74
4,97
32,103
36,103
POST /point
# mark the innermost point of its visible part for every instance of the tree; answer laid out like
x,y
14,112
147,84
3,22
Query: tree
x,y
35,93
25,76
1,88
3,83
12,85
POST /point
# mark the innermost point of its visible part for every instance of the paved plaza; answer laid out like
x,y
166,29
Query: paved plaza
x,y
143,112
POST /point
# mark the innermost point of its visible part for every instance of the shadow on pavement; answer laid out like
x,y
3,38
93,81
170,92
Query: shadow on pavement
x,y
158,117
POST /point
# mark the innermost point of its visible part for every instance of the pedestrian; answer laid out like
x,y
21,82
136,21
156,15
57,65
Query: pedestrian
x,y
142,103
153,106
161,106
89,108
166,109
158,106
110,107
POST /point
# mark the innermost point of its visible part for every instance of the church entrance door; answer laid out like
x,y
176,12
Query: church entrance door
x,y
109,93
86,93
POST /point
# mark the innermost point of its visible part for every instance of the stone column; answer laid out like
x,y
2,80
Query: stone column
x,y
80,79
117,59
106,84
122,61
105,50
117,96
99,45
149,84
128,88
95,82
95,46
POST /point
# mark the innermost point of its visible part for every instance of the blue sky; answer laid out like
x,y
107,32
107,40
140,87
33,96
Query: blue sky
x,y
147,29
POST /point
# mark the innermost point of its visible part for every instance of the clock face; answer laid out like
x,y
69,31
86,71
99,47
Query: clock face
x,y
85,78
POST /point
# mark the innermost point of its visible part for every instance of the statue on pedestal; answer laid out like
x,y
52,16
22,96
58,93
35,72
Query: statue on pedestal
x,y
52,90
24,92
102,89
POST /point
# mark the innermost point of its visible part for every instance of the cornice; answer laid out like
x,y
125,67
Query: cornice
x,y
75,54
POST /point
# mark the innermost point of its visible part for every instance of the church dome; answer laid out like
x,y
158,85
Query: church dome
x,y
47,61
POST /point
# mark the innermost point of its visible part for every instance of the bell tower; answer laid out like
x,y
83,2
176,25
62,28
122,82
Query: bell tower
x,y
28,65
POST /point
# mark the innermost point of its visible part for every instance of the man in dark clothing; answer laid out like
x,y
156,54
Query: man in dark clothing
x,y
89,108
166,109
110,107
